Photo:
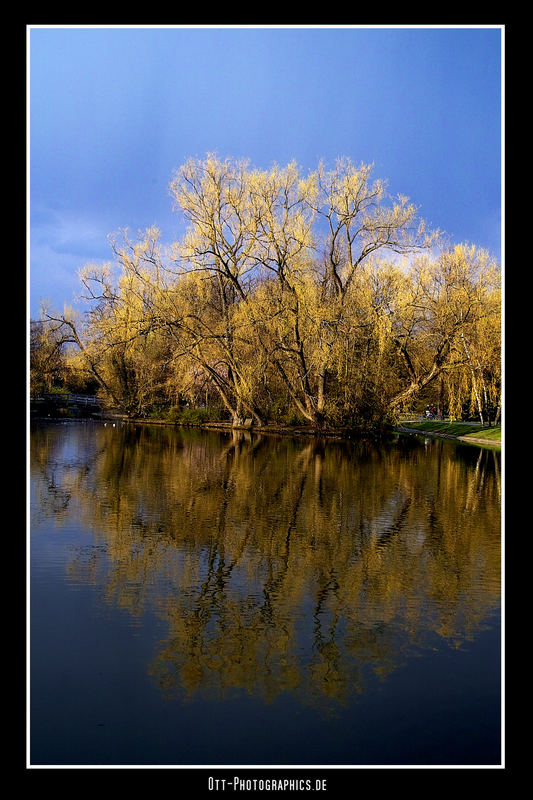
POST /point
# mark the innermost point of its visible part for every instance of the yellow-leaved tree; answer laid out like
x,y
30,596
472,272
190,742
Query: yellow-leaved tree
x,y
312,294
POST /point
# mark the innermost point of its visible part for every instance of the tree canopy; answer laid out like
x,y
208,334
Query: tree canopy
x,y
315,297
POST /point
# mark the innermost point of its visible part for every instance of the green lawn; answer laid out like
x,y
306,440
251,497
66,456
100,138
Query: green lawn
x,y
488,433
455,428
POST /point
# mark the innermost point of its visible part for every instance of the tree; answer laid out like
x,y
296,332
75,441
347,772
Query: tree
x,y
215,197
47,360
310,311
442,311
361,220
314,293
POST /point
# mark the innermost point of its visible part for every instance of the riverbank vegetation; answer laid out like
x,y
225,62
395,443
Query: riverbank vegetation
x,y
291,298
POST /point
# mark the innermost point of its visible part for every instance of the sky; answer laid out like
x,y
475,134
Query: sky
x,y
114,111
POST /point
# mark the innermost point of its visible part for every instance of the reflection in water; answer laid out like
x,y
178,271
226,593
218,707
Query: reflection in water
x,y
278,564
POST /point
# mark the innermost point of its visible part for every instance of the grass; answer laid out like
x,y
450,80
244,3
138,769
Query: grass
x,y
493,434
455,429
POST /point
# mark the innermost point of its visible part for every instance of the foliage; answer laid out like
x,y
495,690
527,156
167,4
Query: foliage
x,y
194,416
313,297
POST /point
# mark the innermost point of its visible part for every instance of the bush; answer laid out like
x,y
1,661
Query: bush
x,y
173,414
192,416
156,412
292,418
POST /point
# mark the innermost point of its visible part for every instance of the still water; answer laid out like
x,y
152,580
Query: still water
x,y
213,598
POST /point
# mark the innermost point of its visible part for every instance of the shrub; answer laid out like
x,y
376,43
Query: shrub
x,y
192,416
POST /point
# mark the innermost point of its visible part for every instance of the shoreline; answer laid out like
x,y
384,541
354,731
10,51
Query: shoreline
x,y
281,430
469,438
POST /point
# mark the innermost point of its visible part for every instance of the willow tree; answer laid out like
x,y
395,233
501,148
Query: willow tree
x,y
360,218
473,303
284,306
47,356
439,316
315,234
218,250
289,284
119,340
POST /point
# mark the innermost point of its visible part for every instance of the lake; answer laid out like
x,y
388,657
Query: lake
x,y
200,597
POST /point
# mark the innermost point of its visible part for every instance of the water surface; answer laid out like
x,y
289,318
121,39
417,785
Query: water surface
x,y
208,598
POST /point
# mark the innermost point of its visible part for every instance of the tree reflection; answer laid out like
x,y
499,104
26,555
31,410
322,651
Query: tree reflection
x,y
281,564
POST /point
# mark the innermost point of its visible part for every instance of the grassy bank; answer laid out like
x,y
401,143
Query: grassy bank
x,y
464,430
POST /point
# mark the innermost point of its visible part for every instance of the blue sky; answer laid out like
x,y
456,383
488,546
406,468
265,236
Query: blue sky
x,y
114,111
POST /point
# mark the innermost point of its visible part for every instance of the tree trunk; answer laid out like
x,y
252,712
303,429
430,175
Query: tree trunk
x,y
498,412
474,381
321,392
441,398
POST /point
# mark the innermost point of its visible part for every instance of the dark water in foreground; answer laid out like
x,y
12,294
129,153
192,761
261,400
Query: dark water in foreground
x,y
203,598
